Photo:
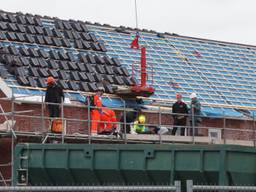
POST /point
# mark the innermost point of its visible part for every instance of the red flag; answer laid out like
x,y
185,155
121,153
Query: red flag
x,y
135,42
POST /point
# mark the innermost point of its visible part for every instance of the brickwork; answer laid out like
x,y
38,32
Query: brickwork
x,y
5,157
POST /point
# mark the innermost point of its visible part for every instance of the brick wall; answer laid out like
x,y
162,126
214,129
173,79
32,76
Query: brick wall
x,y
234,129
5,157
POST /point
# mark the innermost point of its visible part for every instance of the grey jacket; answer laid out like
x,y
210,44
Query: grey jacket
x,y
195,105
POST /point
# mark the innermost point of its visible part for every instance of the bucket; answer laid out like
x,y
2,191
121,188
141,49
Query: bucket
x,y
56,125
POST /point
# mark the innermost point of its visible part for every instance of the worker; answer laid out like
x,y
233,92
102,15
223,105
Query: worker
x,y
96,110
126,120
179,111
158,130
139,125
54,94
195,114
108,122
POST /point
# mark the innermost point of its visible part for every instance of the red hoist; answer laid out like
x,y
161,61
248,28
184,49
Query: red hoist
x,y
142,89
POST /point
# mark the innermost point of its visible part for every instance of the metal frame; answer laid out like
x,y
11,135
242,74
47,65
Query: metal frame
x,y
191,187
174,188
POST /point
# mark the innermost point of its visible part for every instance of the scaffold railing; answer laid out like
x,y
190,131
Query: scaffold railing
x,y
191,129
172,188
212,188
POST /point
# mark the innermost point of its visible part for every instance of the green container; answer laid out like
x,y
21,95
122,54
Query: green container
x,y
97,164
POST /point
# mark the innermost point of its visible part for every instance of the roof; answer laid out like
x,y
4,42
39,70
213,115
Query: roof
x,y
221,73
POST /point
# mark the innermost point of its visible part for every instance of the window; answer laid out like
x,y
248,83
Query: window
x,y
214,134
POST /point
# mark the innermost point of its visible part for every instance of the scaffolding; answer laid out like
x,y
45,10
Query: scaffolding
x,y
42,130
42,134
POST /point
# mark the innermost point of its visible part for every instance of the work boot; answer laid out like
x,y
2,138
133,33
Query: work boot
x,y
117,134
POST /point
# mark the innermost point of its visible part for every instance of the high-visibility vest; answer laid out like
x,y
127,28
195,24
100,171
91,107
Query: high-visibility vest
x,y
139,128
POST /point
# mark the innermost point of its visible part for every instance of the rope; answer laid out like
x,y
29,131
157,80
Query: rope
x,y
136,13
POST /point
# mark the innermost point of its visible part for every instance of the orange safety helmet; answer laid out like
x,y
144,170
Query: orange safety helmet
x,y
50,80
178,95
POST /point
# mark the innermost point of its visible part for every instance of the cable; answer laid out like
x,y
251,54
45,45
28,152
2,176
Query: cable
x,y
136,13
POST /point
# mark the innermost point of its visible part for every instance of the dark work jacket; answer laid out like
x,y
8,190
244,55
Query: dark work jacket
x,y
130,117
54,94
179,107
196,106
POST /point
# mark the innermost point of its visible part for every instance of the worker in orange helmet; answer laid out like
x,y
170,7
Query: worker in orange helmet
x,y
96,110
108,121
179,114
54,94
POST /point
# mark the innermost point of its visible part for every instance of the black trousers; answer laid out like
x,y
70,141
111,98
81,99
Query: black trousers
x,y
127,127
179,122
54,110
105,133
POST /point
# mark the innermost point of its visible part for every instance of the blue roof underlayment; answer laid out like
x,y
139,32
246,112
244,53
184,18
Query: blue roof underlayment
x,y
106,101
220,73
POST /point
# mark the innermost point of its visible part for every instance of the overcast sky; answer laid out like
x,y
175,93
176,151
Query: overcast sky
x,y
226,20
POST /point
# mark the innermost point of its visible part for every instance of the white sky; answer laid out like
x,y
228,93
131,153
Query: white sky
x,y
226,20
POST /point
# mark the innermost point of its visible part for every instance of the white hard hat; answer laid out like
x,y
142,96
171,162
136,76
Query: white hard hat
x,y
193,95
101,89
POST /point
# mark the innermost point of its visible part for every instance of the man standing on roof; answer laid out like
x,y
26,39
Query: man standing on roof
x,y
54,94
96,110
180,111
195,111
